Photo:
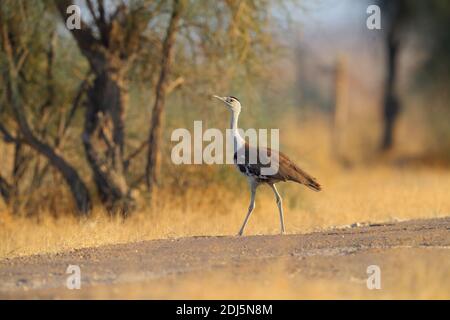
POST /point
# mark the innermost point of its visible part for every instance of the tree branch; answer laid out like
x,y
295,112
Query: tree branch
x,y
76,102
83,36
7,136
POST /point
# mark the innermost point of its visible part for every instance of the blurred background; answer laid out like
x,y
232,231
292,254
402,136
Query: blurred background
x,y
86,115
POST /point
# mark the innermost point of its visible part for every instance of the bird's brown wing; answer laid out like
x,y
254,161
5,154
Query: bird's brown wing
x,y
287,170
290,171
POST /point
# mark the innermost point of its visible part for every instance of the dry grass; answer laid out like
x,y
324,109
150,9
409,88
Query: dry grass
x,y
381,194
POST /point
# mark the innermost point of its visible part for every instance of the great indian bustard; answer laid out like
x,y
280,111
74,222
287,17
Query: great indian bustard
x,y
287,170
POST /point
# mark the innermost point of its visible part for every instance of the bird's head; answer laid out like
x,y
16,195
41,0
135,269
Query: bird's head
x,y
231,102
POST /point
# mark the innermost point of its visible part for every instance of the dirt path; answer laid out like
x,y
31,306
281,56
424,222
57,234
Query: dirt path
x,y
339,253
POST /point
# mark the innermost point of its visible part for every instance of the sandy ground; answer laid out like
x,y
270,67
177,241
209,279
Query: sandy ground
x,y
413,256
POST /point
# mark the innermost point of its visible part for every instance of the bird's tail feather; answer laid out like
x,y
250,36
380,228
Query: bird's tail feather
x,y
303,178
313,184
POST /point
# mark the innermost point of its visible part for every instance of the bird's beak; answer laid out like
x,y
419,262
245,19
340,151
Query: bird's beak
x,y
220,98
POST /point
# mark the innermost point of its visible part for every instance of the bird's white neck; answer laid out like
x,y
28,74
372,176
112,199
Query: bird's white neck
x,y
238,141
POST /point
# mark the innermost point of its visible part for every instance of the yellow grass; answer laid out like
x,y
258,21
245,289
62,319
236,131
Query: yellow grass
x,y
381,194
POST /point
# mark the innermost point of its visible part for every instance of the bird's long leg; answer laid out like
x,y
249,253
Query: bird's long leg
x,y
253,187
280,206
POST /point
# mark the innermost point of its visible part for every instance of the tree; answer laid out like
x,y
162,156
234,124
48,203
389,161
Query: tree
x,y
395,12
155,136
20,52
421,19
111,44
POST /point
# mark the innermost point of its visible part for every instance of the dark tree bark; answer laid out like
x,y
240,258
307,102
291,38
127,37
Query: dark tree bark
x,y
9,190
5,190
396,13
155,134
103,140
70,175
109,53
391,102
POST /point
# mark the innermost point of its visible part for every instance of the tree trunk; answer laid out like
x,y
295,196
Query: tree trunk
x,y
103,137
109,53
155,134
391,102
5,190
79,190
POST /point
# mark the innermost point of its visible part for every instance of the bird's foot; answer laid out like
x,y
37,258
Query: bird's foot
x,y
240,233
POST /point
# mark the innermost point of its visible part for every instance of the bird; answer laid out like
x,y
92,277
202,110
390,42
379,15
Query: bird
x,y
253,170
